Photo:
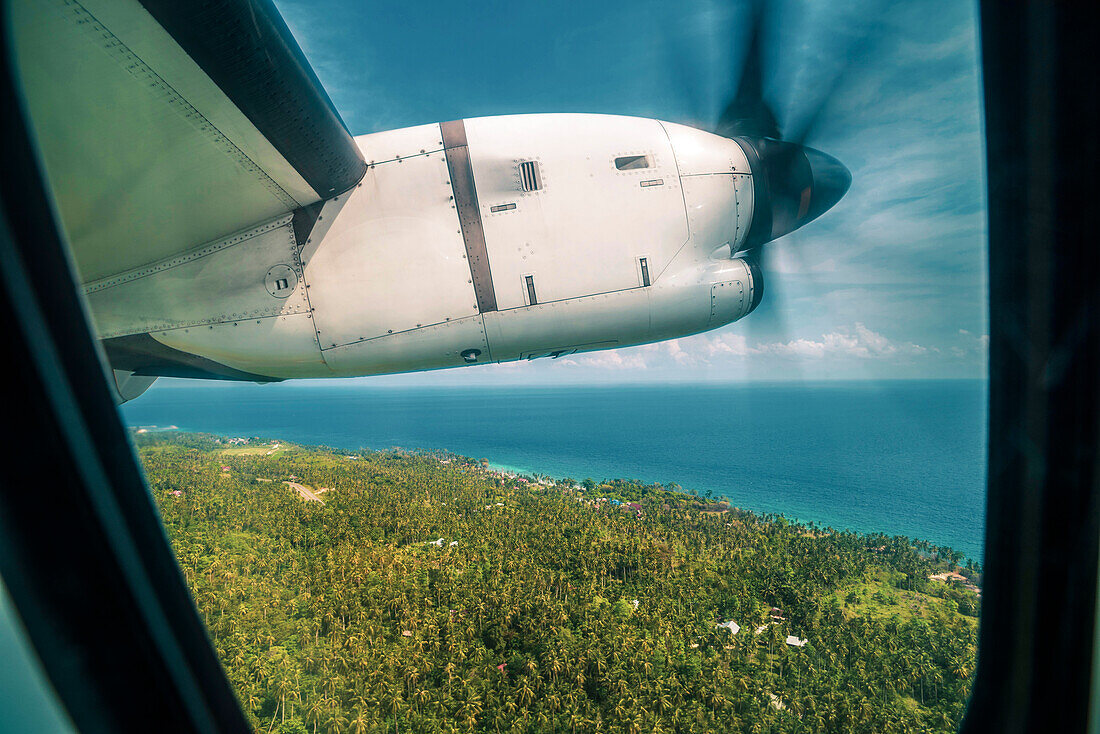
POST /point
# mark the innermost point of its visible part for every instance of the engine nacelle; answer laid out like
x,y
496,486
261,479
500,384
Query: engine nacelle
x,y
484,240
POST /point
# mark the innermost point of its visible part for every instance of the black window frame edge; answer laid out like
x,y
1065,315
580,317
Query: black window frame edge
x,y
1037,634
83,552
120,637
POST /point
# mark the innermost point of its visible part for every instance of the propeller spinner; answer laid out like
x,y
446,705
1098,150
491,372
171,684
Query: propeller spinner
x,y
793,184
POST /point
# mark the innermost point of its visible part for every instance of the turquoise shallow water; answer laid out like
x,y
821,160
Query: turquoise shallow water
x,y
895,457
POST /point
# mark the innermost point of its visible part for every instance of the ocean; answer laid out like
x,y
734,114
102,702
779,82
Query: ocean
x,y
902,458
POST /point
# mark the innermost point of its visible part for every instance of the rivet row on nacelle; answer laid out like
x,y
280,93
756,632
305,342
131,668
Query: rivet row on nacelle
x,y
455,249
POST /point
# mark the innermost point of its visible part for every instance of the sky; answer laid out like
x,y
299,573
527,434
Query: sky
x,y
889,284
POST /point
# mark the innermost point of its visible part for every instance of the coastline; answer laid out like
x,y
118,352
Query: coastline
x,y
516,471
410,545
509,470
903,458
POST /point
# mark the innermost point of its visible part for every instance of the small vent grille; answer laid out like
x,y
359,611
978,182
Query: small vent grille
x,y
645,270
633,162
530,175
529,281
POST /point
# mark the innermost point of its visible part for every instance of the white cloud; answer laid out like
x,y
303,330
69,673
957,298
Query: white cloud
x,y
674,350
970,346
609,360
858,341
727,343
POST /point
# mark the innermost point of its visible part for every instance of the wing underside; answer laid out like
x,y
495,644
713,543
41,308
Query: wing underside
x,y
164,125
165,128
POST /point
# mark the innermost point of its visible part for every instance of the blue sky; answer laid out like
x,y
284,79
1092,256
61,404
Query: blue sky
x,y
891,283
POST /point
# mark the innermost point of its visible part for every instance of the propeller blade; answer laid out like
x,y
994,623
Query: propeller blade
x,y
748,113
685,82
767,322
852,43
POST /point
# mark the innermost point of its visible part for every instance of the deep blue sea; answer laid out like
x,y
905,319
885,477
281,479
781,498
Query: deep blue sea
x,y
905,457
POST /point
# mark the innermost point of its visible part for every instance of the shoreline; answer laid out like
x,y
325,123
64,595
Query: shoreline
x,y
817,521
818,526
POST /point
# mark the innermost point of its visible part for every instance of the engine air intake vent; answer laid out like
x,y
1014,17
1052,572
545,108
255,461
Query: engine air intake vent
x,y
530,176
529,281
633,162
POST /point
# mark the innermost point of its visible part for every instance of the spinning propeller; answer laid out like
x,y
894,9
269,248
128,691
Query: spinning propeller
x,y
793,184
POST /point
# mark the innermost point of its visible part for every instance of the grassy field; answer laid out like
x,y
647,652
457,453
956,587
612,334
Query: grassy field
x,y
880,599
255,449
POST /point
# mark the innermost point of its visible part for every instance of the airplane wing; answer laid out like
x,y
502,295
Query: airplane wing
x,y
165,124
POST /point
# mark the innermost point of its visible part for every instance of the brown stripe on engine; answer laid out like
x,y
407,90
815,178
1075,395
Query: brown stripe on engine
x,y
469,212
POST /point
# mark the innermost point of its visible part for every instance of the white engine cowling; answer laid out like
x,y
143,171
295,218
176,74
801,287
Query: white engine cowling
x,y
477,241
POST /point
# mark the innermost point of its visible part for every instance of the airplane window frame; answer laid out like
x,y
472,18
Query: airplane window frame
x,y
104,603
82,550
1043,496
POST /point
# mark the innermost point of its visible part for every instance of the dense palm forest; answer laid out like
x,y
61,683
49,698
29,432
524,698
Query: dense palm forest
x,y
424,593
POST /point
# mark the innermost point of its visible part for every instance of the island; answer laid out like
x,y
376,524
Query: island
x,y
398,591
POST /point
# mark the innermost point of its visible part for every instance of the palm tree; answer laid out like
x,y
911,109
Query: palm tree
x,y
360,723
315,712
310,600
335,721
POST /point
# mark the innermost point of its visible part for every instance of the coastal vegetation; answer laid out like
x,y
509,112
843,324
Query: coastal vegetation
x,y
414,592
